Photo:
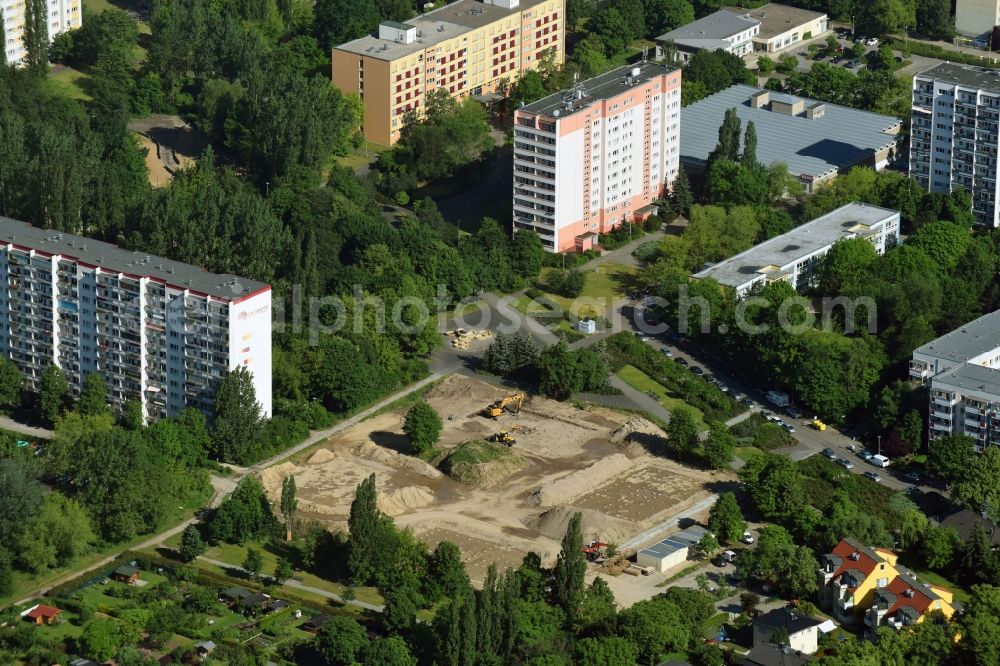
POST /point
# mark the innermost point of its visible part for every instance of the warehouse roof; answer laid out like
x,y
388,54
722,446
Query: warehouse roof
x,y
114,259
679,541
969,377
966,75
777,19
852,220
967,341
811,147
605,86
709,31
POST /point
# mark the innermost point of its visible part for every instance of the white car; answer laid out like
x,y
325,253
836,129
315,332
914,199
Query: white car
x,y
747,537
872,42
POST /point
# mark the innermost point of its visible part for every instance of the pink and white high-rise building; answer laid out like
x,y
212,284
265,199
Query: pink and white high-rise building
x,y
588,159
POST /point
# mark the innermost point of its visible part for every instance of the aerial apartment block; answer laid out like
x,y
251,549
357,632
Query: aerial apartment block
x,y
159,331
954,134
849,576
963,370
62,15
976,17
588,159
794,256
469,48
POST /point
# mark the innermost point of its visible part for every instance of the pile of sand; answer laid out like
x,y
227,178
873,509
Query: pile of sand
x,y
581,482
594,525
634,424
463,388
396,460
272,477
401,500
320,457
482,464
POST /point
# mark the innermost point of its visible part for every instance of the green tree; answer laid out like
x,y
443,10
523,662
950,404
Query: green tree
x,y
706,546
606,651
978,488
11,383
53,393
890,16
749,155
100,639
979,626
589,56
192,544
681,198
598,608
20,497
253,563
951,457
935,20
391,651
237,418
665,15
245,515
571,566
720,446
402,602
365,526
93,395
288,504
725,519
845,269
527,254
656,627
446,575
682,432
939,545
283,570
131,416
765,65
423,426
58,533
35,36
341,641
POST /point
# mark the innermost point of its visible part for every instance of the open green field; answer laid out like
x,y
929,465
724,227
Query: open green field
x,y
603,285
640,381
70,83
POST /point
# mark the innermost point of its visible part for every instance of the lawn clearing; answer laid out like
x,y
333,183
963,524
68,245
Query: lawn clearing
x,y
70,83
603,285
640,381
924,576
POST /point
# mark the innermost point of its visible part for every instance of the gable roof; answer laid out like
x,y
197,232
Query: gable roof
x,y
235,592
126,570
318,620
964,522
769,654
43,611
908,593
786,618
857,561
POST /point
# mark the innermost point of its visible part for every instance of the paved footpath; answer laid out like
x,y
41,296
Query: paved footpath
x,y
299,585
8,423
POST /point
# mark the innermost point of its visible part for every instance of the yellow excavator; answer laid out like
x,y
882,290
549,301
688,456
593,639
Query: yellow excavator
x,y
497,408
502,437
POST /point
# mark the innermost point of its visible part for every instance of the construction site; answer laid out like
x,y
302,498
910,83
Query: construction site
x,y
505,477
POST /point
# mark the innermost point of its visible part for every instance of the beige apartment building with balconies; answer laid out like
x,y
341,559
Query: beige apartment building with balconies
x,y
468,48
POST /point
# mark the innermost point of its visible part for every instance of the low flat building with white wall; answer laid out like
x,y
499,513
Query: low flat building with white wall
x,y
588,159
962,369
159,331
731,32
793,257
61,15
672,551
783,26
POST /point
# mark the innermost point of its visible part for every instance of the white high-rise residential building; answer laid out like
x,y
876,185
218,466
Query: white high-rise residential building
x,y
963,369
588,159
976,17
62,15
158,331
954,134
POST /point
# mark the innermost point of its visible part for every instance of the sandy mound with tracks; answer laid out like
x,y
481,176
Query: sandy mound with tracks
x,y
594,525
581,482
401,500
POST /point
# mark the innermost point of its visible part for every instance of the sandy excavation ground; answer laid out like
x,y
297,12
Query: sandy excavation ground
x,y
577,461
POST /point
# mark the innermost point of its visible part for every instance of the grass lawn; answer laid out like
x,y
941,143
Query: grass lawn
x,y
362,155
603,285
714,623
640,381
69,83
745,452
960,594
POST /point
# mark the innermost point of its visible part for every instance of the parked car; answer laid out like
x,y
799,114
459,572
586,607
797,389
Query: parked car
x,y
879,461
828,452
696,370
786,425
912,477
845,463
747,537
667,352
680,360
874,477
641,336
865,455
872,42
794,412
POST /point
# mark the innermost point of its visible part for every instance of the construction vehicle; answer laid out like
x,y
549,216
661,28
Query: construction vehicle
x,y
502,437
595,550
498,407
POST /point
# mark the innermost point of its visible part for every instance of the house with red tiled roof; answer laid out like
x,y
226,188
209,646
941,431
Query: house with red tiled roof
x,y
905,602
42,614
850,575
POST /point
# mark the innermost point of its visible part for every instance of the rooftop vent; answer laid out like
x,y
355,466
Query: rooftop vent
x,y
855,556
760,99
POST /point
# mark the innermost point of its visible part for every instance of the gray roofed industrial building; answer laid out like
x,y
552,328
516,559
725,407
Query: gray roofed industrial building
x,y
671,551
817,140
604,86
967,341
709,32
787,256
115,259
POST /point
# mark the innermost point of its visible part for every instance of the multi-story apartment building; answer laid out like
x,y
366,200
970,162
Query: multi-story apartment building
x,y
963,370
62,15
976,17
159,331
793,257
905,602
849,577
469,47
590,158
954,134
